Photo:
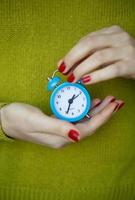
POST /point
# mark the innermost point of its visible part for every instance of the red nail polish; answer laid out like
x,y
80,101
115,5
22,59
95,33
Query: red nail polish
x,y
74,135
112,100
121,105
71,78
116,107
86,79
62,67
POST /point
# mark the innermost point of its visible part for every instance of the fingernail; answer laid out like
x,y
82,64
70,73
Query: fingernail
x,y
62,67
116,107
121,105
74,135
86,79
71,78
112,100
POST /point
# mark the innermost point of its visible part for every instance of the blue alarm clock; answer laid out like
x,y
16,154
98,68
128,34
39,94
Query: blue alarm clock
x,y
68,101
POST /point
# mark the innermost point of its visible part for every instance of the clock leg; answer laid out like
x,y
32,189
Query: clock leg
x,y
88,116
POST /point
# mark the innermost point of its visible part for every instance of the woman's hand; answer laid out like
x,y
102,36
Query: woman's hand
x,y
26,122
99,56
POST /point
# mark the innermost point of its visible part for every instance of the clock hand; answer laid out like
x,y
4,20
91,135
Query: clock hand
x,y
68,108
76,96
72,98
70,101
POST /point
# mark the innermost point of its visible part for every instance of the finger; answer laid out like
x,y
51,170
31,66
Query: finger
x,y
101,117
109,30
109,99
95,61
47,139
60,62
120,104
95,102
56,126
89,127
91,43
100,106
84,48
112,71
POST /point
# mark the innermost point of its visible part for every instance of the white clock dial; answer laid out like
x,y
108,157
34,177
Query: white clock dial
x,y
70,101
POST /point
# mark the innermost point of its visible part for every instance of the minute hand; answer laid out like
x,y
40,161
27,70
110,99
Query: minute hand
x,y
70,101
76,96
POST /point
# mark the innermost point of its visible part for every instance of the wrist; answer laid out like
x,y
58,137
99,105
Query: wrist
x,y
1,106
3,135
0,116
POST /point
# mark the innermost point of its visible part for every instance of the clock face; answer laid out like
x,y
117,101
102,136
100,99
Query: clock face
x,y
70,101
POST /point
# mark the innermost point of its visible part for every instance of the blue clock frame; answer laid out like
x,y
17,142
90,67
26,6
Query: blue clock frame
x,y
81,87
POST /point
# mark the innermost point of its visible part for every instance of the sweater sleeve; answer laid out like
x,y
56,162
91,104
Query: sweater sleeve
x,y
3,136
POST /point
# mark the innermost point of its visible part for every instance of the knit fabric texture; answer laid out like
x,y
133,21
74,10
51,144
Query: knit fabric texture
x,y
34,35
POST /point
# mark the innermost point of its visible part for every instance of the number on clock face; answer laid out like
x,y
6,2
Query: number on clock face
x,y
70,101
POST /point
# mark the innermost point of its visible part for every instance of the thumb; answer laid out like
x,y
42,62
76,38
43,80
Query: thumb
x,y
59,127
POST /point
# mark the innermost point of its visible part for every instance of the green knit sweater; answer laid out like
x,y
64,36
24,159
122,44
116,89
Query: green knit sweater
x,y
34,35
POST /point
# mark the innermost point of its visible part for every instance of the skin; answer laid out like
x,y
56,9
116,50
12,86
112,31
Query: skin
x,y
26,122
102,55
